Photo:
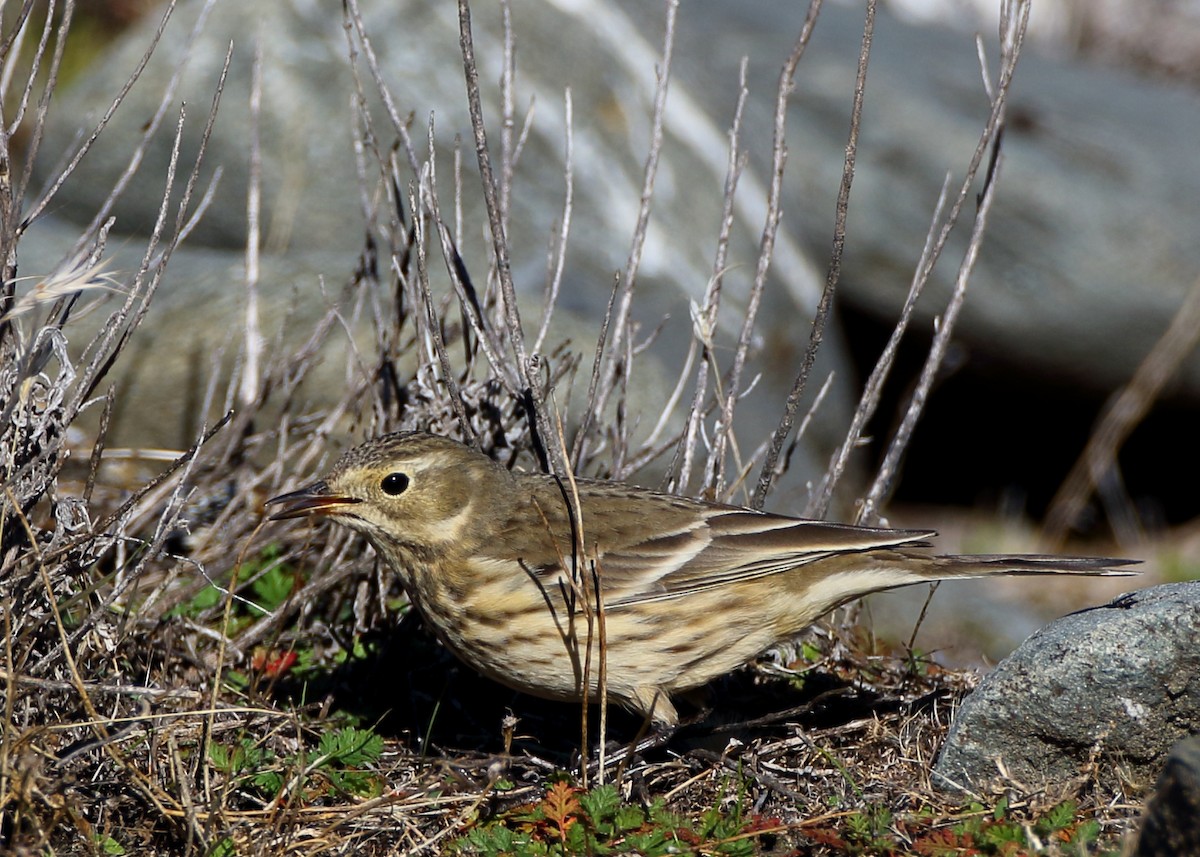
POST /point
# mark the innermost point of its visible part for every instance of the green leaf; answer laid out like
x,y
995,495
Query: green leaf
x,y
221,758
660,816
207,597
492,839
739,848
1086,833
273,588
652,843
269,783
1059,817
223,848
108,845
601,803
357,783
351,747
629,818
996,835
581,840
858,826
234,760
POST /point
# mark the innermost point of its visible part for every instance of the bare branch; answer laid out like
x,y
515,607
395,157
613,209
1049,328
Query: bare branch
x,y
622,329
63,174
767,474
873,389
559,253
389,103
251,380
937,352
1010,49
707,315
1122,413
512,316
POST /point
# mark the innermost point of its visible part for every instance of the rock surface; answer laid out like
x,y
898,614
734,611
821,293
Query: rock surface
x,y
1091,247
1091,244
1113,685
314,214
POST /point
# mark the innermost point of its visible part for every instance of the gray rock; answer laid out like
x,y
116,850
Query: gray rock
x,y
1090,250
194,330
1171,826
1119,684
310,193
1091,243
313,210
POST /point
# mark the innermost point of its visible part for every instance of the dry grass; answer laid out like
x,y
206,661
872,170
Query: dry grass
x,y
176,677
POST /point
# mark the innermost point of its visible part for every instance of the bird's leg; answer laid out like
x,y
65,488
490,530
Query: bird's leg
x,y
654,704
659,737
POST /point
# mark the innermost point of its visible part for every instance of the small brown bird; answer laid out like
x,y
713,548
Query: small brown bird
x,y
690,590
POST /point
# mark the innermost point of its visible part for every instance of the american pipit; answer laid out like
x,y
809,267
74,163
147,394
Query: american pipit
x,y
504,572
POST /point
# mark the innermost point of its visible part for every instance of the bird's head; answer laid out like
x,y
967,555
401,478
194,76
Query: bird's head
x,y
412,488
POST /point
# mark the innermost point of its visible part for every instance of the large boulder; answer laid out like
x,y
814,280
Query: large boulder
x,y
1116,685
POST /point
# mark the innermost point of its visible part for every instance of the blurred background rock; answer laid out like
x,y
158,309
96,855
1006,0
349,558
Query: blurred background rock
x,y
1089,253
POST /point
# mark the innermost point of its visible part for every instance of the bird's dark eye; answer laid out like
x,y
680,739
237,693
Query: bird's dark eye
x,y
394,484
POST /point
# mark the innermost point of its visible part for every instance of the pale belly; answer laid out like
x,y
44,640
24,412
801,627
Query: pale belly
x,y
545,649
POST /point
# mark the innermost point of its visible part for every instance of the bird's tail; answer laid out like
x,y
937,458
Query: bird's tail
x,y
980,565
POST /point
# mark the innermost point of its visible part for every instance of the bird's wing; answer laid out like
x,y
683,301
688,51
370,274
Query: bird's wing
x,y
732,546
647,546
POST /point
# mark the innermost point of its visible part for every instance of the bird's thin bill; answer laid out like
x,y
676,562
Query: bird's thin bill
x,y
313,499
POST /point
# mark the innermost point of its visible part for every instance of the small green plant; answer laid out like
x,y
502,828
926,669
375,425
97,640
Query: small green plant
x,y
344,752
996,832
223,848
105,844
569,820
249,765
271,589
869,831
918,661
271,583
209,596
980,833
808,655
309,664
339,766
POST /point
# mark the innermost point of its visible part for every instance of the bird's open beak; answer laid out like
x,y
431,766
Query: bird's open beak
x,y
315,499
